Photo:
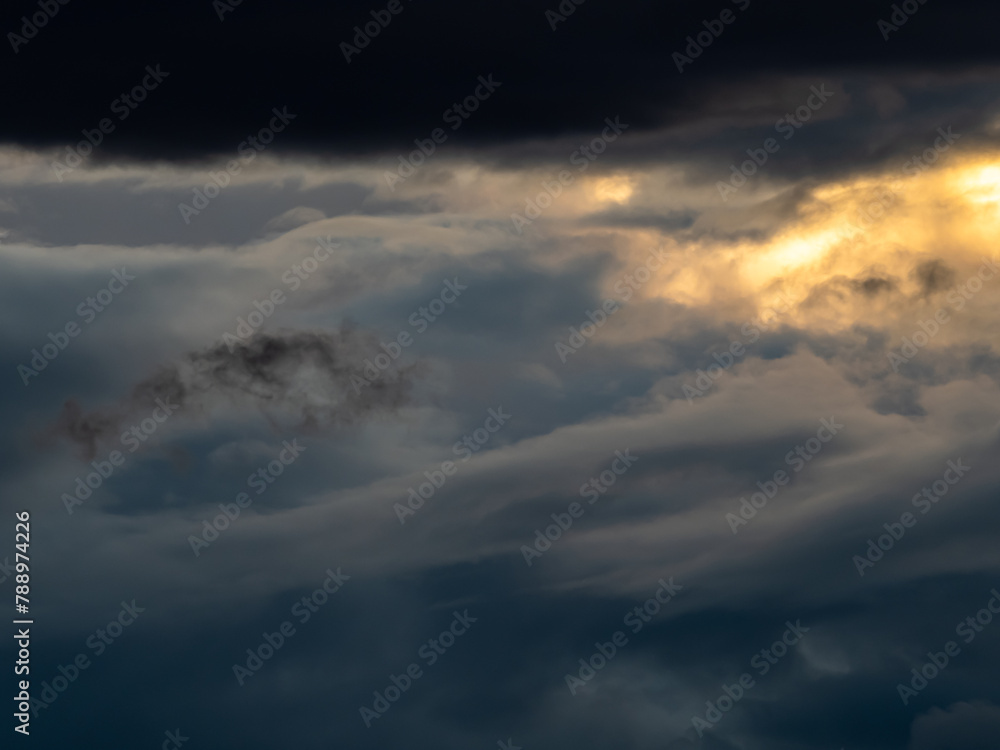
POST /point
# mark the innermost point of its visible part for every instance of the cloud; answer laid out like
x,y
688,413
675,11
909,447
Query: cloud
x,y
539,99
934,276
318,376
971,726
777,268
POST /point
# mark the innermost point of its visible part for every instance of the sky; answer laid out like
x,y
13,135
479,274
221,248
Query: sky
x,y
532,375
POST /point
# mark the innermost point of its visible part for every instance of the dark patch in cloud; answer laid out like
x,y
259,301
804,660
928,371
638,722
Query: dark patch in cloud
x,y
844,289
900,398
668,222
934,276
309,373
873,286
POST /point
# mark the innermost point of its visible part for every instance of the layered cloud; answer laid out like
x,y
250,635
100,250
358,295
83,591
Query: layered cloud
x,y
617,291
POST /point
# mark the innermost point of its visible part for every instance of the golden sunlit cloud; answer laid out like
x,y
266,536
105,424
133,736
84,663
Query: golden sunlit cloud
x,y
859,229
617,189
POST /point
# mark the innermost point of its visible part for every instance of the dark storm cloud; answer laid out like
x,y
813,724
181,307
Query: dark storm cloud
x,y
602,60
309,373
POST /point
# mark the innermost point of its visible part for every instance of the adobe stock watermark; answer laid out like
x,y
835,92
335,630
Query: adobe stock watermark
x,y
797,458
762,663
260,480
900,15
923,161
592,489
222,7
265,308
175,740
88,310
582,158
627,286
635,279
563,11
131,438
584,332
47,10
928,329
967,629
636,619
437,478
885,197
6,569
713,30
455,115
750,331
123,106
788,126
302,610
430,652
99,642
363,36
421,320
926,499
247,150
